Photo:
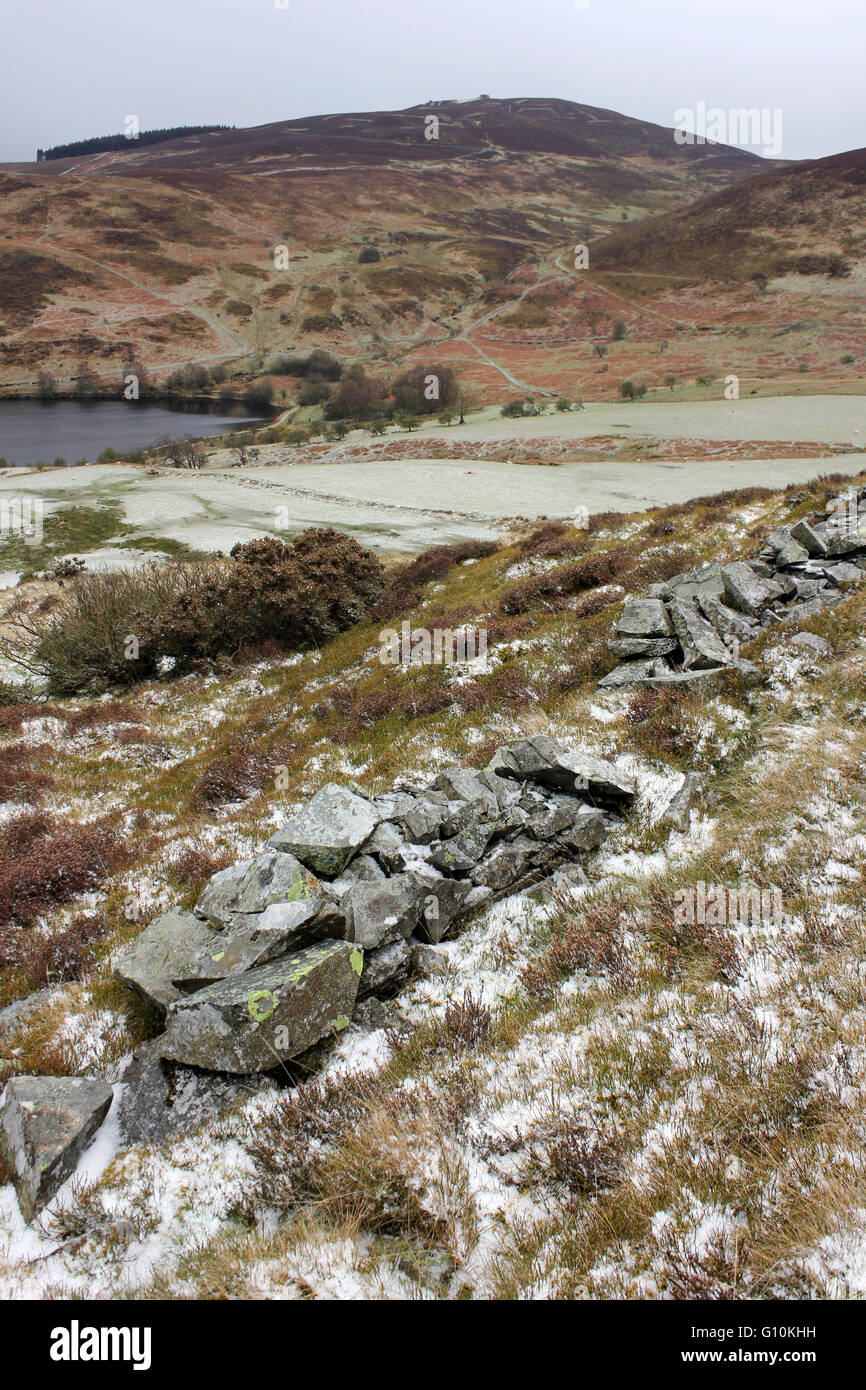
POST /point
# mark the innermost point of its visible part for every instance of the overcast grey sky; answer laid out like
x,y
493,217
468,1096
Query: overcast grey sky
x,y
76,68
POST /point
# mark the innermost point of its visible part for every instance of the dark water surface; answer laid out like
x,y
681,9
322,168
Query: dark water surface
x,y
41,431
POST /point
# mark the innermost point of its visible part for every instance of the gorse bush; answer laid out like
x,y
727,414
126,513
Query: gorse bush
x,y
117,629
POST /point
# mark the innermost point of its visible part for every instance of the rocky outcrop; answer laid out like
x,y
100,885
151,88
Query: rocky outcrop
x,y
690,629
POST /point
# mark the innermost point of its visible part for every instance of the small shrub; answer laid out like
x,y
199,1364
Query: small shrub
x,y
467,1023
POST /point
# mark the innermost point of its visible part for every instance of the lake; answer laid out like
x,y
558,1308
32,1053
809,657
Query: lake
x,y
41,431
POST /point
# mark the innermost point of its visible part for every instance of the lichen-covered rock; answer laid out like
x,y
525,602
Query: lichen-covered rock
x,y
377,913
236,897
553,764
460,854
161,1100
252,1022
46,1123
586,832
280,928
150,965
510,862
326,833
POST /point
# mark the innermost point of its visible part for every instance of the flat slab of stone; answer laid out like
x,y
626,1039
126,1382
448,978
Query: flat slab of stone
x,y
161,1101
704,582
326,833
644,617
235,897
553,764
281,928
150,964
626,647
809,538
252,1022
633,673
46,1123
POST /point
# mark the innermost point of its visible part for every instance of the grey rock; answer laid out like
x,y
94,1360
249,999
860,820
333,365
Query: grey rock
x,y
443,900
632,673
422,821
810,641
252,1022
553,764
843,574
809,538
746,590
462,852
799,612
793,553
690,793
377,913
46,1123
280,928
699,640
160,953
556,814
363,869
704,582
760,567
326,833
508,863
644,617
643,646
235,897
727,621
385,843
464,784
429,961
161,1100
477,897
586,833
385,966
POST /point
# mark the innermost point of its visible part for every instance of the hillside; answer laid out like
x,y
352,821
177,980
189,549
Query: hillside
x,y
575,1093
166,254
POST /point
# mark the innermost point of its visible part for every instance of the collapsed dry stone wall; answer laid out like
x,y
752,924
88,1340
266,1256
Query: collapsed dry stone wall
x,y
348,897
691,628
